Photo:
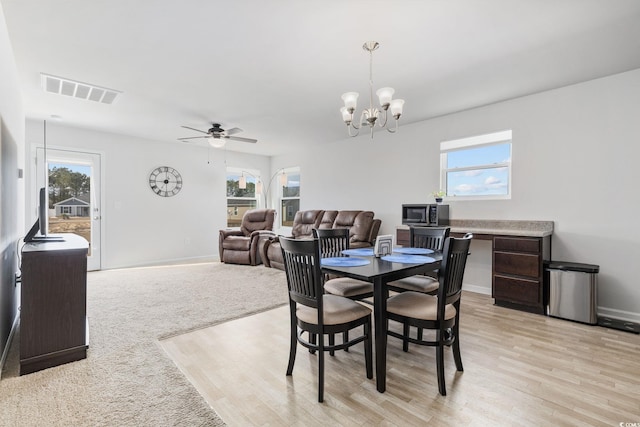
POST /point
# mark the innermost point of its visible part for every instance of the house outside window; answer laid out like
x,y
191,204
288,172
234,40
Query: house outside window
x,y
290,197
477,168
240,200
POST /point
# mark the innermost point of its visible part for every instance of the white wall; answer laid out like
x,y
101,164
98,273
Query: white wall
x,y
139,226
575,151
11,187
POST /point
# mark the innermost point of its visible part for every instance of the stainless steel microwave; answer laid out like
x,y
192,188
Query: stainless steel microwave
x,y
425,214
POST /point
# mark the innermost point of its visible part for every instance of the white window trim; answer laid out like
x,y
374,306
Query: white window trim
x,y
488,139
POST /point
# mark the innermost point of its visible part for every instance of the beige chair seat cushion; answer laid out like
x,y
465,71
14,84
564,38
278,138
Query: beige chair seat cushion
x,y
337,310
418,306
423,284
346,287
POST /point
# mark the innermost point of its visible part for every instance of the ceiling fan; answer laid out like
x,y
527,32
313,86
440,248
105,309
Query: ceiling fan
x,y
217,136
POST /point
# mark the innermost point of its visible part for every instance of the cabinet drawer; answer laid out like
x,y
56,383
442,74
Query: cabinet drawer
x,y
521,291
519,264
516,244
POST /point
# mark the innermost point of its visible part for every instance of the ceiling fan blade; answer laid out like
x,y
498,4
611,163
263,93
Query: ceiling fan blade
x,y
232,131
237,138
197,130
192,137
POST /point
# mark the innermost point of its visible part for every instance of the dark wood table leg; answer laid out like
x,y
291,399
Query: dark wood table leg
x,y
381,293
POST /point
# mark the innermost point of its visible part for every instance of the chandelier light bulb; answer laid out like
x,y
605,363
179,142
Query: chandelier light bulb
x,y
385,94
396,108
350,101
346,115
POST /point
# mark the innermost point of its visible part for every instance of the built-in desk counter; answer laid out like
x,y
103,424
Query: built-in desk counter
x,y
519,249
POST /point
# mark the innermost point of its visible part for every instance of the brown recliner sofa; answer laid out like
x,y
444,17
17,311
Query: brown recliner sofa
x,y
363,230
241,246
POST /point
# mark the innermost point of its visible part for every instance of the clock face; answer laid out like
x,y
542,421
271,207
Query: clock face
x,y
165,181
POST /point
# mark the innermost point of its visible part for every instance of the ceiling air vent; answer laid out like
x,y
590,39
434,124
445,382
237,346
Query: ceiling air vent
x,y
81,90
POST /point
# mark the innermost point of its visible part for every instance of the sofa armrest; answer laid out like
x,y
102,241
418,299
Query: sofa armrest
x,y
226,233
260,239
223,235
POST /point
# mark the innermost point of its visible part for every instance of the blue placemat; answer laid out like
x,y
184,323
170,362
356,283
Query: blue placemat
x,y
359,252
344,262
413,251
408,259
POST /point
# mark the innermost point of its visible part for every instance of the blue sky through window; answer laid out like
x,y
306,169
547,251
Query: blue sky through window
x,y
478,178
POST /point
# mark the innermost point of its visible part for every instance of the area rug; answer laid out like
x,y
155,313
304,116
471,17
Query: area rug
x,y
127,379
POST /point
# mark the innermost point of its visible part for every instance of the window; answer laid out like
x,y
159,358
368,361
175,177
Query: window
x,y
240,200
477,167
290,197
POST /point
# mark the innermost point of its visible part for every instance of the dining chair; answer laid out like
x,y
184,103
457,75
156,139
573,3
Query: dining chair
x,y
317,313
427,238
332,242
440,313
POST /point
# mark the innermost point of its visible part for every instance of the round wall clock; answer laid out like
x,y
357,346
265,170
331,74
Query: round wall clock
x,y
165,181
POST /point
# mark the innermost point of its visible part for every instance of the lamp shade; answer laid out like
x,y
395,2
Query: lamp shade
x,y
396,107
216,142
242,182
259,187
350,100
385,94
283,179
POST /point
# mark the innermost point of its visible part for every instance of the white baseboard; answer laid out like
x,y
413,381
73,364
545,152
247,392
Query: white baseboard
x,y
173,261
5,351
476,288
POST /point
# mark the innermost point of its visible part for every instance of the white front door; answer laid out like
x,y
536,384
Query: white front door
x,y
73,184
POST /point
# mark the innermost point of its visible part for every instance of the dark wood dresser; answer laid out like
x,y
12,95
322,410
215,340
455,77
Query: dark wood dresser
x,y
519,249
518,272
53,307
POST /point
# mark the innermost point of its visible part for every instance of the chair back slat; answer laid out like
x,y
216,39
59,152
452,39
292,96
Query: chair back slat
x,y
332,241
302,267
428,237
454,260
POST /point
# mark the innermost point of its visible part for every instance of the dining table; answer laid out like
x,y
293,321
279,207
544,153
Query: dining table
x,y
379,271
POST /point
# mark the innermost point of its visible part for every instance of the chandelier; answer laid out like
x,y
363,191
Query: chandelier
x,y
371,115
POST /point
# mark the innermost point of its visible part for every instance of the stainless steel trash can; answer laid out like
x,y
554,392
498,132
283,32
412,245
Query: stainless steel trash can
x,y
573,291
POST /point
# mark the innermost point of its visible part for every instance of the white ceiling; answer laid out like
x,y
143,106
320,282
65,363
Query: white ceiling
x,y
277,68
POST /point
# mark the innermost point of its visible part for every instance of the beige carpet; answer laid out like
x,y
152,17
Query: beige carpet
x,y
127,379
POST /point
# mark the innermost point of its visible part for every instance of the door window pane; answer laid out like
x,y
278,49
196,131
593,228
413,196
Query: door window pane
x,y
70,199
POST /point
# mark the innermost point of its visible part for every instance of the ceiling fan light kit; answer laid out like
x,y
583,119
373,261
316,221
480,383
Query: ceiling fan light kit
x,y
217,137
370,116
216,142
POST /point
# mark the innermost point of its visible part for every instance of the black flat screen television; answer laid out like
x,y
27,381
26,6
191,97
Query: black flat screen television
x,y
41,224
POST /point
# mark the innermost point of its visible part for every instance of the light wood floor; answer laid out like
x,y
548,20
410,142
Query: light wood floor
x,y
520,369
